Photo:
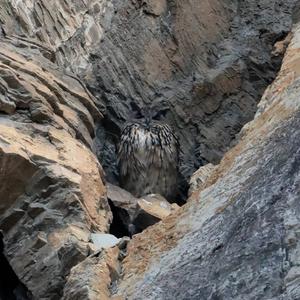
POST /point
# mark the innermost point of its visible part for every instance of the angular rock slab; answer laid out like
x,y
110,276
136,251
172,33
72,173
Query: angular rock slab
x,y
92,278
150,210
51,192
103,241
136,214
121,198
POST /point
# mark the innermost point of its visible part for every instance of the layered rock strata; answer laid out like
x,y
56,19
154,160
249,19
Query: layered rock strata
x,y
203,67
52,192
237,237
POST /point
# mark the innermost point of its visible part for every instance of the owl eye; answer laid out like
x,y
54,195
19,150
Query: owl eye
x,y
138,115
160,114
157,117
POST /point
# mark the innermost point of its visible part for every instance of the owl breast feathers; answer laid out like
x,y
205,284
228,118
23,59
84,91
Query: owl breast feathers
x,y
148,160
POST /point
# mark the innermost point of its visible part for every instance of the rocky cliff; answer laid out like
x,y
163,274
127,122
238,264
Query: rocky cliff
x,y
73,72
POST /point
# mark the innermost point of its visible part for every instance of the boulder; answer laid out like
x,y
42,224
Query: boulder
x,y
134,214
150,210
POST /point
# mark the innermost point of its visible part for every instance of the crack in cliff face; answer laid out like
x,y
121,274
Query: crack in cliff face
x,y
204,80
119,225
203,65
11,288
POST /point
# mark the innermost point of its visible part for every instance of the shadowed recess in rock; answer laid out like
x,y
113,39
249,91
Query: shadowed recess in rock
x,y
203,78
11,288
118,227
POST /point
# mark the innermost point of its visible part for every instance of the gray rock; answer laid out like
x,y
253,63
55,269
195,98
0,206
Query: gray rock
x,y
203,79
242,251
104,241
51,190
238,237
203,65
133,215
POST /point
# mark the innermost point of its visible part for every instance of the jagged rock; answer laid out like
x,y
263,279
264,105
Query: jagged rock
x,y
123,206
7,106
138,214
121,198
51,190
92,278
209,61
202,65
154,7
150,210
281,46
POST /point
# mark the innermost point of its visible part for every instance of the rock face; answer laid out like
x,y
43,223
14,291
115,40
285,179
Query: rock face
x,y
52,192
237,238
203,65
91,279
199,178
71,74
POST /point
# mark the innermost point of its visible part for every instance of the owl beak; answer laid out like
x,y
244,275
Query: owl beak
x,y
147,123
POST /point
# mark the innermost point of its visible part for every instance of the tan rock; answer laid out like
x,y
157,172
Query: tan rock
x,y
138,214
281,46
121,198
92,278
197,181
150,210
51,189
156,206
154,7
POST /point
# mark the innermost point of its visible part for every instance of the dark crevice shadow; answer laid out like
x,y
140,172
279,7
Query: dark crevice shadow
x,y
119,227
11,288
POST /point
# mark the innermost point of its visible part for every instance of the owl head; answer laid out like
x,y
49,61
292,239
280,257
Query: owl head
x,y
151,113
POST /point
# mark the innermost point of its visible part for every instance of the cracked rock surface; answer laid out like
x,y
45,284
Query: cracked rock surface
x,y
73,72
201,65
52,192
238,236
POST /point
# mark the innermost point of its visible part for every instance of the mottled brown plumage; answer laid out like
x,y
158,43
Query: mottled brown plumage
x,y
148,159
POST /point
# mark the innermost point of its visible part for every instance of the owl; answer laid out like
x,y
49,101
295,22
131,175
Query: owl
x,y
148,159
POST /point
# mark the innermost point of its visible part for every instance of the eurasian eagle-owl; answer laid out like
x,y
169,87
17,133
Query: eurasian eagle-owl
x,y
148,159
